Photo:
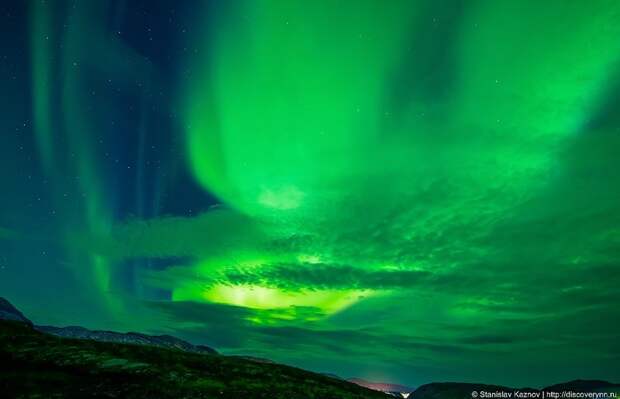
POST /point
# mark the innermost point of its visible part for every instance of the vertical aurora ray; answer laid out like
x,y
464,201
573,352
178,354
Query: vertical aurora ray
x,y
78,132
41,47
75,130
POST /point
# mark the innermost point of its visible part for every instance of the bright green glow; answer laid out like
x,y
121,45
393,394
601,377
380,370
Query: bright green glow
x,y
291,118
512,90
295,103
406,186
328,301
292,101
519,81
258,297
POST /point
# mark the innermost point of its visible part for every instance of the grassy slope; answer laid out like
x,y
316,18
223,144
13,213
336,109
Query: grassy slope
x,y
33,364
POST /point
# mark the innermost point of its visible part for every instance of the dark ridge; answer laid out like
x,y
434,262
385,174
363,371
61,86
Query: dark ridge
x,y
10,312
162,341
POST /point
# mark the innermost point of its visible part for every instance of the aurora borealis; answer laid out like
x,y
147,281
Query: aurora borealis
x,y
404,191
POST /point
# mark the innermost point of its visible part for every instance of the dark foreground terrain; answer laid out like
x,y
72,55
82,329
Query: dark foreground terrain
x,y
592,389
73,362
38,365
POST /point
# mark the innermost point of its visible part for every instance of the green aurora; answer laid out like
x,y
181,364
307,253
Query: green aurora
x,y
410,191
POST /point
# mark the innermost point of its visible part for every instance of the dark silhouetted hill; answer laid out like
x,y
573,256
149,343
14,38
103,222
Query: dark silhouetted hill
x,y
162,341
34,364
10,312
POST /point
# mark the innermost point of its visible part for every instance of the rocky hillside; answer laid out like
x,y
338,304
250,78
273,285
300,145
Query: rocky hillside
x,y
10,312
162,341
34,364
73,362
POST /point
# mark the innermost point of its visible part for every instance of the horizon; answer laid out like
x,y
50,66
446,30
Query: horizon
x,y
410,192
355,379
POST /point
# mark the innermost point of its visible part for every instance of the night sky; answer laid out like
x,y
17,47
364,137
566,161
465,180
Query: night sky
x,y
403,191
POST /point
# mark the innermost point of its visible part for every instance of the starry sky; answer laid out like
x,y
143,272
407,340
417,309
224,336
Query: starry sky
x,y
404,191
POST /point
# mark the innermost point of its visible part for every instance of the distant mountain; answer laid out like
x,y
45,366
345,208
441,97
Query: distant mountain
x,y
583,386
10,312
162,341
449,390
38,365
393,389
104,364
87,363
